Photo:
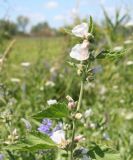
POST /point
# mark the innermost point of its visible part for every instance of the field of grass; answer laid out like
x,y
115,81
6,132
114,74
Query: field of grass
x,y
110,95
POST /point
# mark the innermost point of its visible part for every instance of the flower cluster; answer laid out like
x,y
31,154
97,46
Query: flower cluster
x,y
46,127
80,52
12,138
57,134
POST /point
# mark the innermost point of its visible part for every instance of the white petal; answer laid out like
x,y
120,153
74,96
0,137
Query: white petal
x,y
25,64
58,137
81,30
80,52
52,101
88,113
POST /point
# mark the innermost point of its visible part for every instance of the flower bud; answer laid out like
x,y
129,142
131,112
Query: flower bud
x,y
79,138
71,105
79,72
66,127
78,115
69,98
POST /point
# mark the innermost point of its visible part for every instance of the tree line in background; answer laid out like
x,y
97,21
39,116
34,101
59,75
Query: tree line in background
x,y
9,28
111,28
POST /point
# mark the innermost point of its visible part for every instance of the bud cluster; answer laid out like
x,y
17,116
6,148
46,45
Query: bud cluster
x,y
71,103
12,138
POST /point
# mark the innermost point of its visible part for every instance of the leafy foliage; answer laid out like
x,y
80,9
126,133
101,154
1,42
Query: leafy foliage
x,y
33,141
54,111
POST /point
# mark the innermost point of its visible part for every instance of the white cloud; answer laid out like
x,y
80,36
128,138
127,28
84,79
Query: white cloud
x,y
51,5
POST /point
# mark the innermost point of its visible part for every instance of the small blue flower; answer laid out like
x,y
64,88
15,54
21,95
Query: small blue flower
x,y
45,127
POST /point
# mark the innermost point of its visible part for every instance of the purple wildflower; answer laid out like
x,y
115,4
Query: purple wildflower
x,y
1,157
45,127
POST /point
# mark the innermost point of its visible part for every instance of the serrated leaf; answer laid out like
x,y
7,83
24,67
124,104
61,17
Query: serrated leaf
x,y
102,54
110,54
103,153
111,155
55,111
34,141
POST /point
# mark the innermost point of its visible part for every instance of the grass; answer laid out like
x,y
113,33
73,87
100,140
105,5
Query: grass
x,y
110,95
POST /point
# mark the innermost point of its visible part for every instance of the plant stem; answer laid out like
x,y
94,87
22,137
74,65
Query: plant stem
x,y
80,96
73,135
74,121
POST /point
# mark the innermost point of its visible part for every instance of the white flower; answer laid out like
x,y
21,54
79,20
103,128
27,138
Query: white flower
x,y
25,64
129,116
92,125
58,137
50,84
52,101
128,42
80,51
81,30
15,80
106,136
88,113
118,48
129,63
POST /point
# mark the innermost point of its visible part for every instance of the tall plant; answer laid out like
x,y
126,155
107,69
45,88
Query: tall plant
x,y
59,129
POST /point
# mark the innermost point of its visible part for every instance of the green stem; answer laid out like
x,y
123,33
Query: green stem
x,y
74,125
73,135
80,96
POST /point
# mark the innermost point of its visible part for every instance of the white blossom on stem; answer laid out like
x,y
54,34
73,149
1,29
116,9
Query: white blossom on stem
x,y
81,30
80,51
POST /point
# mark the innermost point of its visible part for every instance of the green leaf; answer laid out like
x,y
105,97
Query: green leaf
x,y
109,155
110,54
103,153
91,27
34,141
102,54
55,111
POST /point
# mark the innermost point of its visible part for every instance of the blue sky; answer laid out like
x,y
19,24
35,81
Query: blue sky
x,y
60,12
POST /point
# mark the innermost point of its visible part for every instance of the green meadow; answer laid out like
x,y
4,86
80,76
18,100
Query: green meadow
x,y
49,76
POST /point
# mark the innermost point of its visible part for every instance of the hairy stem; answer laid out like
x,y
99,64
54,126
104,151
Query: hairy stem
x,y
73,135
74,121
80,96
